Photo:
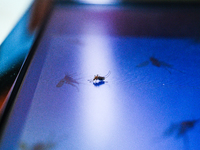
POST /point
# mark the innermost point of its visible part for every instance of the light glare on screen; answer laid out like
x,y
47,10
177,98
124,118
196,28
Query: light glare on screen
x,y
98,1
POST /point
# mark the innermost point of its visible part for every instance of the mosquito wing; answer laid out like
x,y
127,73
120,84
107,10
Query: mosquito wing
x,y
164,64
172,129
143,64
60,83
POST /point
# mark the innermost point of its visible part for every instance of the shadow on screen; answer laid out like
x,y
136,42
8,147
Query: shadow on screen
x,y
180,130
97,84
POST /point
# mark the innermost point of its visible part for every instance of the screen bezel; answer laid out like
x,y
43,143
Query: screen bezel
x,y
10,99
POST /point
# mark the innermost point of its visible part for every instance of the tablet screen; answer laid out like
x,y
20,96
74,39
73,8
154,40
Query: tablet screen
x,y
101,79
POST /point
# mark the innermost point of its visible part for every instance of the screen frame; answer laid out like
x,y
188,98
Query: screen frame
x,y
10,99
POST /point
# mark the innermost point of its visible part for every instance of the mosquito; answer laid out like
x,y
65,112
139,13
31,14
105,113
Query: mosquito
x,y
158,63
49,144
68,80
181,129
100,79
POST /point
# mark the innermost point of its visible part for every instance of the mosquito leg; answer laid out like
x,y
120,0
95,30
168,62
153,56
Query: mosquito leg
x,y
73,85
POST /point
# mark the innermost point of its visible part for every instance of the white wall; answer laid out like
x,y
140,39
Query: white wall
x,y
10,13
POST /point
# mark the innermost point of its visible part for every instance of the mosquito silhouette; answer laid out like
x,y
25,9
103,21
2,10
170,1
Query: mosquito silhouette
x,y
155,62
48,144
68,80
37,146
180,130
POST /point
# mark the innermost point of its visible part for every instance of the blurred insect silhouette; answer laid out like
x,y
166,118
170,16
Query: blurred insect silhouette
x,y
180,130
50,143
38,146
68,80
158,63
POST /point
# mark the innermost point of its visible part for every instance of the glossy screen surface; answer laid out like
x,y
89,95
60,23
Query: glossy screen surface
x,y
149,98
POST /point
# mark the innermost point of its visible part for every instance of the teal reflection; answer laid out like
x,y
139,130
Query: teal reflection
x,y
16,46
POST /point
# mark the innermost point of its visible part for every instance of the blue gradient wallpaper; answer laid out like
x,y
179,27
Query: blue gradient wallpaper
x,y
149,100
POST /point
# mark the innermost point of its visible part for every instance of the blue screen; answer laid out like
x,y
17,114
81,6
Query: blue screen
x,y
88,89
